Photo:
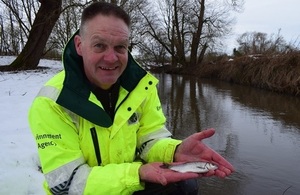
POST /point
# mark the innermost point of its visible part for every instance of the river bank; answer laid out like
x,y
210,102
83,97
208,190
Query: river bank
x,y
279,73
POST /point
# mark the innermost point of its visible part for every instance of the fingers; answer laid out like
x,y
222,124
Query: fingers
x,y
222,174
155,173
204,134
225,170
162,180
219,173
209,173
223,164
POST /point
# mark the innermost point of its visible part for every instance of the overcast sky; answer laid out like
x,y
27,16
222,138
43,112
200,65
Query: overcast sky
x,y
268,16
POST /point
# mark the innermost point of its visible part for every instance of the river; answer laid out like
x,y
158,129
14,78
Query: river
x,y
257,131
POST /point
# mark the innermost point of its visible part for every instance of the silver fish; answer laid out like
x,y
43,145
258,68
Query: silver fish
x,y
196,167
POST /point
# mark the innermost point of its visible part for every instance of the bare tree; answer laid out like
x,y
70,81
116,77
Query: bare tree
x,y
67,24
18,16
188,28
3,43
261,43
22,11
42,26
178,30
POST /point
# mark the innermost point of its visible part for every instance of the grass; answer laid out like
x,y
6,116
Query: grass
x,y
280,73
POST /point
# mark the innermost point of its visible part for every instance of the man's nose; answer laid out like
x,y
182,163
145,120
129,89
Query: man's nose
x,y
110,55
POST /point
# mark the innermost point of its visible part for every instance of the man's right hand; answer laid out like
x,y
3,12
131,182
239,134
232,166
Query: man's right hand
x,y
155,173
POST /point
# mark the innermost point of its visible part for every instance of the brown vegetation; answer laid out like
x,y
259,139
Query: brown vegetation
x,y
280,73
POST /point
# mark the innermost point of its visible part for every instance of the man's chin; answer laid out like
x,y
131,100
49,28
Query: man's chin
x,y
107,84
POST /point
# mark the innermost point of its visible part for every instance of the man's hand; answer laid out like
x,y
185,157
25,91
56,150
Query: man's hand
x,y
193,149
155,173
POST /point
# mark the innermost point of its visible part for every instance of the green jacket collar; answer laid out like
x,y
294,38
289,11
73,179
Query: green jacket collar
x,y
76,87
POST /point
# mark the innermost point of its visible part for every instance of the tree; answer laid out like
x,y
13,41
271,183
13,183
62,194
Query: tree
x,y
174,31
42,26
261,43
16,24
188,28
66,25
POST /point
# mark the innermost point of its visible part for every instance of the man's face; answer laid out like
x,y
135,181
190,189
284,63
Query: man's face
x,y
103,46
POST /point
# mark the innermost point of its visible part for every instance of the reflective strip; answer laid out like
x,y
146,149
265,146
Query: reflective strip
x,y
69,179
149,140
53,93
64,187
49,92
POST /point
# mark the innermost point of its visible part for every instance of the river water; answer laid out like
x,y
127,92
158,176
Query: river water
x,y
257,131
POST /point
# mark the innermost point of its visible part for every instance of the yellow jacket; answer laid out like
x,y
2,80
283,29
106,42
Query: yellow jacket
x,y
82,151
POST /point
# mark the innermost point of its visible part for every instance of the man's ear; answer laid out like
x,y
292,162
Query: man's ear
x,y
77,42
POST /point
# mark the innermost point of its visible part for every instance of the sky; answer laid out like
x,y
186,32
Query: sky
x,y
19,173
268,16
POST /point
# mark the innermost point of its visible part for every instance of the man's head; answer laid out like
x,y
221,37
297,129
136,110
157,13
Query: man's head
x,y
102,42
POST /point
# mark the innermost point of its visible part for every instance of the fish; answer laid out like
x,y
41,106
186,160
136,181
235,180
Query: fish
x,y
196,167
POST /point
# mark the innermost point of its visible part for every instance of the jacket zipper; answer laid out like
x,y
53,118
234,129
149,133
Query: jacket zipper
x,y
110,100
110,111
96,145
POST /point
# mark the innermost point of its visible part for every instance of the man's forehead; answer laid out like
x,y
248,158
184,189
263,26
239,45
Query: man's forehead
x,y
113,31
107,27
107,37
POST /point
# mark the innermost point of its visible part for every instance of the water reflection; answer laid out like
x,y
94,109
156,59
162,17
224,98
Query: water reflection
x,y
258,131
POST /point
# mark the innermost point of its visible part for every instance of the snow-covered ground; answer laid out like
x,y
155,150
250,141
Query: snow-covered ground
x,y
19,173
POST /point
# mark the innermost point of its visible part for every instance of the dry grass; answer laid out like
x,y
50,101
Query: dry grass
x,y
280,73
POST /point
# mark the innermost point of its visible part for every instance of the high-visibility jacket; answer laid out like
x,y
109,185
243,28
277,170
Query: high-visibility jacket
x,y
81,149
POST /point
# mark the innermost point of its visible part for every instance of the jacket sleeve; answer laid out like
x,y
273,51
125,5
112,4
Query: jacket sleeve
x,y
154,140
62,161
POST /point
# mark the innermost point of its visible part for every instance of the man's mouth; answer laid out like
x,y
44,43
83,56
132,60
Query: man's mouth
x,y
106,68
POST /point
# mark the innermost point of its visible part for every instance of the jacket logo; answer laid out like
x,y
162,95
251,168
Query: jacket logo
x,y
42,144
133,119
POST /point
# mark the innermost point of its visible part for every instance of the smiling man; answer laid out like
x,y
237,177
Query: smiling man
x,y
107,113
103,49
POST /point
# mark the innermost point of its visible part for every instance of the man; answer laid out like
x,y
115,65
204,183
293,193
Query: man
x,y
99,125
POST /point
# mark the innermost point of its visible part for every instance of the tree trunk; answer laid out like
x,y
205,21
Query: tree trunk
x,y
179,37
41,29
202,53
196,38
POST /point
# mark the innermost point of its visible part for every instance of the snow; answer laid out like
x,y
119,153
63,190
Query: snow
x,y
19,172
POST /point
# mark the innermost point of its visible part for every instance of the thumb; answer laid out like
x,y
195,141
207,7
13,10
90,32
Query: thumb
x,y
204,134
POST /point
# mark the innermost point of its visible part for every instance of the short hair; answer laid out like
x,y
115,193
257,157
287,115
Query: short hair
x,y
105,9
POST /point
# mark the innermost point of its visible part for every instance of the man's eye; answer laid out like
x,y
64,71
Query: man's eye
x,y
99,47
121,49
